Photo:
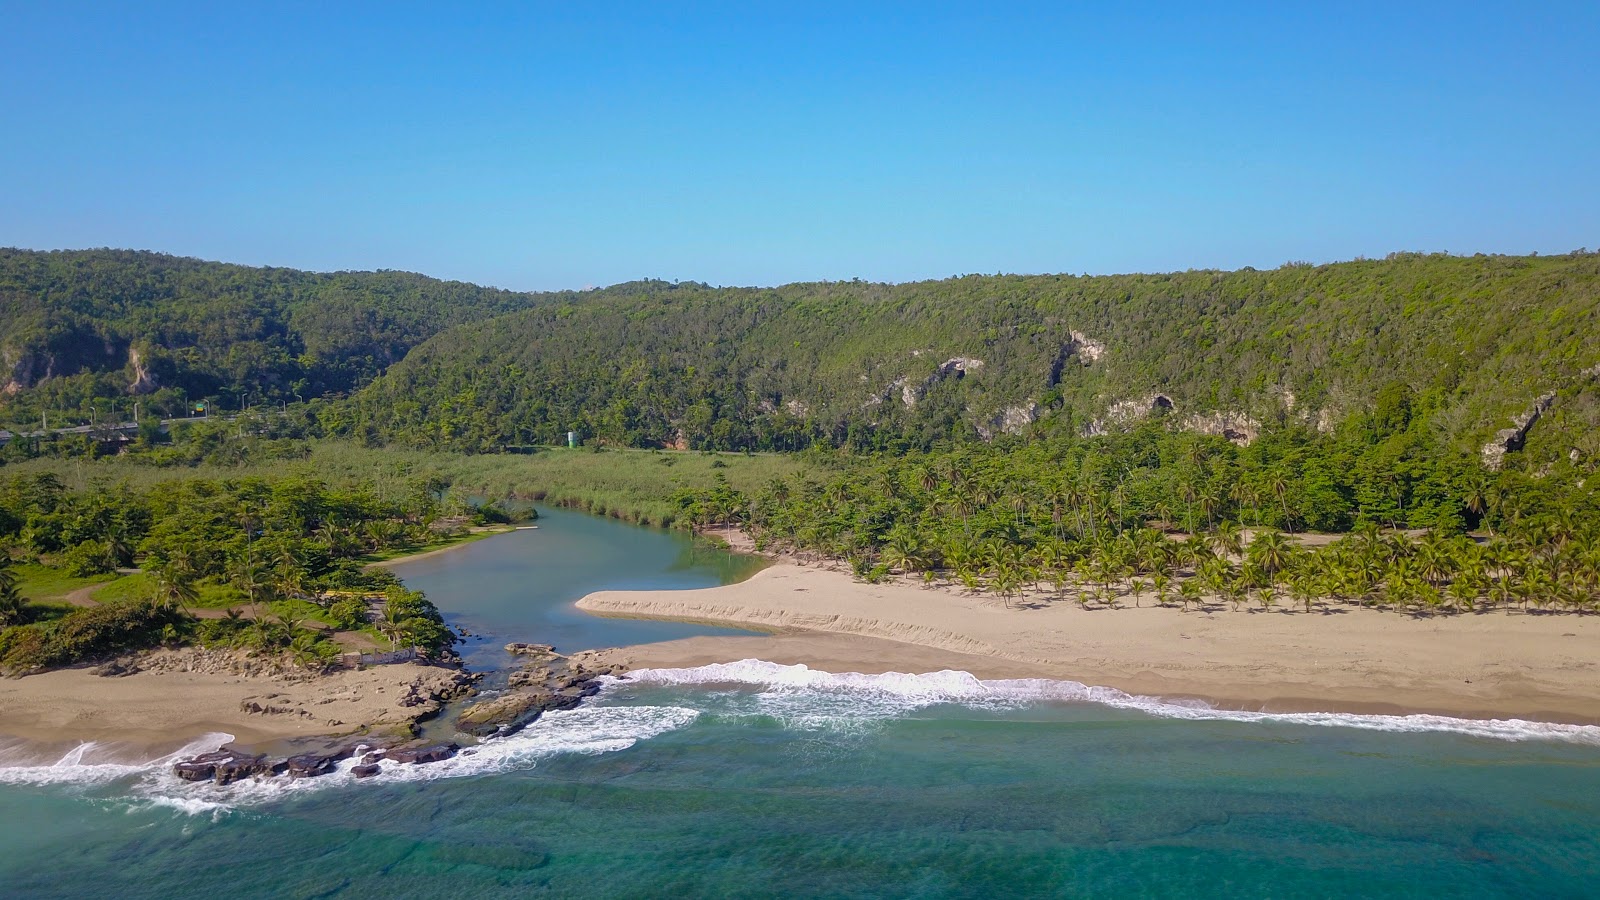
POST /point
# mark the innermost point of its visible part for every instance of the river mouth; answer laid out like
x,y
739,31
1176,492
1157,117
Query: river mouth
x,y
522,586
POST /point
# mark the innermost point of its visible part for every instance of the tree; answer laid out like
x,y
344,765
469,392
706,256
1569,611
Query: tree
x,y
11,602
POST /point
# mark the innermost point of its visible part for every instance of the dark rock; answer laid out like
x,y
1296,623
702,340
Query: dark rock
x,y
372,756
242,766
366,770
428,754
225,766
310,765
202,767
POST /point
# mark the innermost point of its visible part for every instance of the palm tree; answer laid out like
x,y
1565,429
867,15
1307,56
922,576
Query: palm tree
x,y
1136,586
1476,500
1278,486
1271,551
248,578
1303,588
174,587
1189,591
1227,539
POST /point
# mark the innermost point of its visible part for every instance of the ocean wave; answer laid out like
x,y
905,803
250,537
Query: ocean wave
x,y
152,784
93,762
806,697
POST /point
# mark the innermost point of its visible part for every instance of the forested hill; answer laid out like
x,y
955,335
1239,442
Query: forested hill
x,y
1455,346
1459,344
104,323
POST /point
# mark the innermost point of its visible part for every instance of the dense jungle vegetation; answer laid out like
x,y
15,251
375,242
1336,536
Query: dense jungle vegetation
x,y
1475,340
82,326
280,560
1185,517
871,366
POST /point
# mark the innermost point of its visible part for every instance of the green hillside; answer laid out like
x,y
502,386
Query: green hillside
x,y
1463,342
79,325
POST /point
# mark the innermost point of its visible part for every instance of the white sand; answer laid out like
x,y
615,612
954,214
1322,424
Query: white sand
x,y
1494,664
74,705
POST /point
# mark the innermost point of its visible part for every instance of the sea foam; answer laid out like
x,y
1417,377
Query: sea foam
x,y
151,783
92,762
803,696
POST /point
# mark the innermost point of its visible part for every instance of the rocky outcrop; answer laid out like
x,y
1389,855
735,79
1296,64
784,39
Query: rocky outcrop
x,y
1080,347
1125,413
537,650
549,682
310,765
911,391
1011,420
23,370
1508,440
143,381
1234,426
229,764
430,753
223,766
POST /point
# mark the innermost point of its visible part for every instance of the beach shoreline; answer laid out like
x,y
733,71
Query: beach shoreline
x,y
1488,665
169,706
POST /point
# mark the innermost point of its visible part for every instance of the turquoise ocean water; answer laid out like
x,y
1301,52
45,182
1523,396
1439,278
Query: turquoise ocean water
x,y
759,780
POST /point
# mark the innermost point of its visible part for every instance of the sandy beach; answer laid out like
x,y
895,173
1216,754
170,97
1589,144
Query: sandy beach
x,y
70,706
1488,665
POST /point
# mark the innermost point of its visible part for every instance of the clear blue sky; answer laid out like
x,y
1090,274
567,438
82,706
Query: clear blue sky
x,y
562,145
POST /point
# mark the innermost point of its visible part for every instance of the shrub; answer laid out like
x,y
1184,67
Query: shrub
x,y
88,558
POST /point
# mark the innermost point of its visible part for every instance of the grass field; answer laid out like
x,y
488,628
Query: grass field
x,y
40,584
635,485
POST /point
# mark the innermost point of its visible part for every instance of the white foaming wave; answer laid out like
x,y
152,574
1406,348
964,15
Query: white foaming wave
x,y
585,730
77,768
798,691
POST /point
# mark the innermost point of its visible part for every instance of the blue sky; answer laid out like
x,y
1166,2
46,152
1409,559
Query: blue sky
x,y
561,145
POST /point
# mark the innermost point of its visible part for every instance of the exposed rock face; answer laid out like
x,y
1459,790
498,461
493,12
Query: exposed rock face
x,y
1124,413
959,366
1507,440
143,381
1235,426
366,770
24,370
1011,420
1086,347
912,392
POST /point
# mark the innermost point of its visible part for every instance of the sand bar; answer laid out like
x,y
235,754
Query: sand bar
x,y
70,706
1486,665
